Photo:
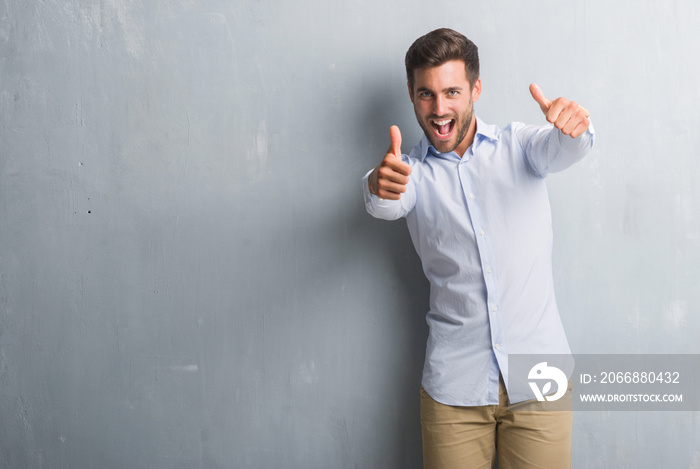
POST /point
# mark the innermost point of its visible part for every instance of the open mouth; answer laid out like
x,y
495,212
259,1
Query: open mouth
x,y
443,127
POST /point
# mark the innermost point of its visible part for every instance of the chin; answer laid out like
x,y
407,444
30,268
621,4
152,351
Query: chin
x,y
442,146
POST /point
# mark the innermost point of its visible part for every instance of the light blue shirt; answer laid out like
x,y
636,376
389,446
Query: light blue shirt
x,y
482,228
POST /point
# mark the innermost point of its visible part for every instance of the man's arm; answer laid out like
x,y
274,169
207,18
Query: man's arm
x,y
388,190
552,149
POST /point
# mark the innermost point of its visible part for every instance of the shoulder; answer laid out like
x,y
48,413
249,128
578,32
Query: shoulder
x,y
513,128
497,133
525,133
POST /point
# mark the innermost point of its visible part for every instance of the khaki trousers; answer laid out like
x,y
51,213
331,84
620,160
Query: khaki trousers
x,y
474,437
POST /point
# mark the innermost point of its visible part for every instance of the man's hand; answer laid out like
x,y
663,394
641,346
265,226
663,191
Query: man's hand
x,y
388,180
567,116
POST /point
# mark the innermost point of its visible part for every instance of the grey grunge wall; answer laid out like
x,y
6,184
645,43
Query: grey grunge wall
x,y
188,278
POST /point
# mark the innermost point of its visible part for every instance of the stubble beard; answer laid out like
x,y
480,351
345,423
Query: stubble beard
x,y
462,123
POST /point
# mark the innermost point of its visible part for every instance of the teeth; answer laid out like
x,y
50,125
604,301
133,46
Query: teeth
x,y
443,122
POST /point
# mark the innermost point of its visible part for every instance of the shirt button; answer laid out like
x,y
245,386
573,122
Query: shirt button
x,y
481,232
489,271
471,196
494,309
496,346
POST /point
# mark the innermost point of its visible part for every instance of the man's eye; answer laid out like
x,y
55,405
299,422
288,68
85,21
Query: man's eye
x,y
425,94
452,93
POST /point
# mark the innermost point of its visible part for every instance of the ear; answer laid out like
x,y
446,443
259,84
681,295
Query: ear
x,y
476,90
410,91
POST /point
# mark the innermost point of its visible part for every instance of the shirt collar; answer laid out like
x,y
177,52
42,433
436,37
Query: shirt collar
x,y
482,130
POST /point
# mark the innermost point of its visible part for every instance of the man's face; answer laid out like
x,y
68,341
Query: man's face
x,y
443,101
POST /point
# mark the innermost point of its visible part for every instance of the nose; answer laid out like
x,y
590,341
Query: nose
x,y
439,105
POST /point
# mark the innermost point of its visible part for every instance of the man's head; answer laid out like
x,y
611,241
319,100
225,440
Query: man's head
x,y
443,83
438,47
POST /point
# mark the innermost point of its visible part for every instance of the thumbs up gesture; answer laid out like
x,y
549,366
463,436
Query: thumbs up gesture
x,y
389,179
567,116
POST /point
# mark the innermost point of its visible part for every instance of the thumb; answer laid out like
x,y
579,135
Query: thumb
x,y
395,135
538,96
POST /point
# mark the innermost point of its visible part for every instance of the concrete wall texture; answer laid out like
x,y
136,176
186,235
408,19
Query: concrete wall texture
x,y
188,278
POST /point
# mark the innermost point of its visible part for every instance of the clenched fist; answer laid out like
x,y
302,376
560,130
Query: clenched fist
x,y
567,116
389,179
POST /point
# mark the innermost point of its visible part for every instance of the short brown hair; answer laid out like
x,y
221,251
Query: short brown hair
x,y
440,46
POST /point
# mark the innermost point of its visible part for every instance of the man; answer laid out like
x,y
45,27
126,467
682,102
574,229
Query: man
x,y
477,209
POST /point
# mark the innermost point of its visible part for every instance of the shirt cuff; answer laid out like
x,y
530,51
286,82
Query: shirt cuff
x,y
370,199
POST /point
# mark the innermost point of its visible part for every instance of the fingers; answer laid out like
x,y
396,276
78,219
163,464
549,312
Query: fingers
x,y
391,183
538,96
390,177
396,168
567,116
395,137
579,130
560,113
390,191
